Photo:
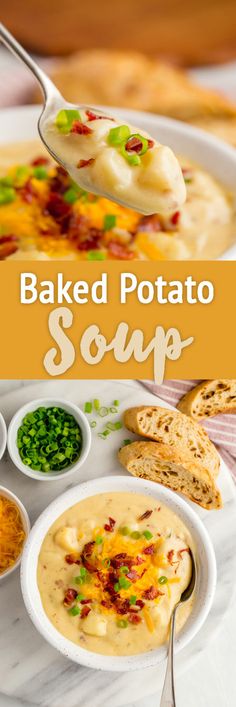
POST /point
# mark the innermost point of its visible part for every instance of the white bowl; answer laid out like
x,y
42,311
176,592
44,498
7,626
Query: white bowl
x,y
214,155
16,422
3,435
205,584
26,525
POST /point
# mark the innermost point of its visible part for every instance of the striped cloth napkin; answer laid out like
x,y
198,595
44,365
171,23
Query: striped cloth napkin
x,y
221,429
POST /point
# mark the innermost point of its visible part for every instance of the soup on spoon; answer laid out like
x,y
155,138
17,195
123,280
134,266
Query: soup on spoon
x,y
115,160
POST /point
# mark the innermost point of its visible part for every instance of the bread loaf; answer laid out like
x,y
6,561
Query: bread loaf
x,y
172,468
209,398
176,430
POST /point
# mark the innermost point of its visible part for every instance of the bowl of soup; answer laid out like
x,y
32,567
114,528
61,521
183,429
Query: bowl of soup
x,y
45,216
104,566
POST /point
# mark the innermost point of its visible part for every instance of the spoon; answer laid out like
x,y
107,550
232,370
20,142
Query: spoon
x,y
156,185
168,693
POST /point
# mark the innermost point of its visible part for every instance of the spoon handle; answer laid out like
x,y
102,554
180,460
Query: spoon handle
x,y
10,42
168,692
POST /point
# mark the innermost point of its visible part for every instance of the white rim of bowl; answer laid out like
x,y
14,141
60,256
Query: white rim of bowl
x,y
4,491
4,434
49,476
30,561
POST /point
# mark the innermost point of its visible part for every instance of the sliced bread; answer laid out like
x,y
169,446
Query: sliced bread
x,y
175,429
209,398
172,468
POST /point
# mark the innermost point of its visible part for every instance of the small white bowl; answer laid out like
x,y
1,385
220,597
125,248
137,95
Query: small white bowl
x,y
3,435
26,525
205,563
16,423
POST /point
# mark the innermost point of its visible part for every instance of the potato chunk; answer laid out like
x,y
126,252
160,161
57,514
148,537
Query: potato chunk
x,y
67,539
95,625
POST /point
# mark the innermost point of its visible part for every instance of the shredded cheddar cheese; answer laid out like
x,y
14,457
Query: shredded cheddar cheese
x,y
12,534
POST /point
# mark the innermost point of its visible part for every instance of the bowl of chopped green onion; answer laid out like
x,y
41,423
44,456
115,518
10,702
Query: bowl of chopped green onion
x,y
48,439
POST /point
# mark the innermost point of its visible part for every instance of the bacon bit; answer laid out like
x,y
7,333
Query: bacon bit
x,y
87,552
122,606
80,128
149,224
134,618
140,603
109,527
170,556
145,515
149,550
106,603
88,548
70,597
27,192
133,575
175,218
86,601
117,250
133,144
151,593
85,163
8,246
57,207
94,116
138,560
185,549
85,611
38,161
71,560
151,144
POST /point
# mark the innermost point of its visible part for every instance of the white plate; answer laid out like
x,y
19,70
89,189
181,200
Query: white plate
x,y
218,158
32,670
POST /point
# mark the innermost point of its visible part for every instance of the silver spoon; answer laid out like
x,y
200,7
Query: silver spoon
x,y
129,193
168,692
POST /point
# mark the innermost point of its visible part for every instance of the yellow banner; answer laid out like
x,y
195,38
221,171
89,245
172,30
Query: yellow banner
x,y
117,320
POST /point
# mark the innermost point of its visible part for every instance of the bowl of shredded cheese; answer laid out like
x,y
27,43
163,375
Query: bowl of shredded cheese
x,y
15,527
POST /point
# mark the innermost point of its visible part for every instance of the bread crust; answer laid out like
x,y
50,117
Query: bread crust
x,y
189,477
194,405
204,452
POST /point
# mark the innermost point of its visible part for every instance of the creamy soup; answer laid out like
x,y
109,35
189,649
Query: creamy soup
x,y
45,216
116,161
110,571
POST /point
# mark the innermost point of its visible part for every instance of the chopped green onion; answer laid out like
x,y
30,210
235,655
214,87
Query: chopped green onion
x,y
116,587
131,157
96,404
104,434
65,118
111,426
88,407
40,172
113,410
7,195
118,425
80,597
78,580
147,534
117,135
162,580
109,222
98,540
124,583
106,562
132,599
103,411
83,572
135,535
127,441
116,403
21,175
96,255
124,530
74,611
71,196
124,569
122,623
93,424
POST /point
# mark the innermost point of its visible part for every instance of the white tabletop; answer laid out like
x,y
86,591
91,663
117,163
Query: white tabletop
x,y
211,680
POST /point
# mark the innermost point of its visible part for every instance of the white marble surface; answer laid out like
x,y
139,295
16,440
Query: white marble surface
x,y
31,670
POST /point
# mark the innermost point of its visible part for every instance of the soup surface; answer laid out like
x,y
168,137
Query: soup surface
x,y
111,570
45,215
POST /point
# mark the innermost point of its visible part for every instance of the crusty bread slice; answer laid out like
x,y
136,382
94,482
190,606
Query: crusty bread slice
x,y
209,398
175,429
171,467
